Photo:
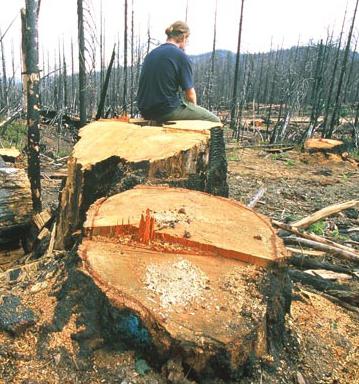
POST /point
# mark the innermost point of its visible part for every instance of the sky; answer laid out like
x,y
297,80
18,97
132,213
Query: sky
x,y
280,23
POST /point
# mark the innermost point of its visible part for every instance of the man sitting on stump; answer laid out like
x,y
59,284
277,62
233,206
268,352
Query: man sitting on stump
x,y
166,69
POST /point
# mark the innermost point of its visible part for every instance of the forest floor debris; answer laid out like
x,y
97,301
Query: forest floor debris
x,y
322,338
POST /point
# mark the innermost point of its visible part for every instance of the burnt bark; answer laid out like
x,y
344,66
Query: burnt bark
x,y
31,60
82,67
236,73
105,86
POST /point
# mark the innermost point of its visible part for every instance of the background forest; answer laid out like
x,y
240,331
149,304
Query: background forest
x,y
317,83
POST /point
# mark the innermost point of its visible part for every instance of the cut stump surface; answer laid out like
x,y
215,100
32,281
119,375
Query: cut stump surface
x,y
190,218
323,145
189,280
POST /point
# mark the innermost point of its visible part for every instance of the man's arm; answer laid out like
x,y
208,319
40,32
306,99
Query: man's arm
x,y
191,96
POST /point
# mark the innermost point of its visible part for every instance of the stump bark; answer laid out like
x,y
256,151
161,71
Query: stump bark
x,y
187,275
113,156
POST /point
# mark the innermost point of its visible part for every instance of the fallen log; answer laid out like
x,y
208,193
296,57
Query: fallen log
x,y
339,291
292,240
52,116
167,259
325,212
303,251
309,262
113,156
279,150
315,238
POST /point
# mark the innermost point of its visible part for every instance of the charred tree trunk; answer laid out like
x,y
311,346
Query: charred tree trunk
x,y
105,86
65,85
125,75
236,73
132,60
210,77
4,87
315,96
31,60
82,66
332,81
329,133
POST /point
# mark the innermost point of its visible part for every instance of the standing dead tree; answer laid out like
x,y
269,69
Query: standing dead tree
x,y
31,76
4,86
330,131
211,70
333,77
132,96
236,72
124,101
82,66
100,109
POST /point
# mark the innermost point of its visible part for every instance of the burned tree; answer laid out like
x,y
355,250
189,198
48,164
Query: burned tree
x,y
82,66
236,72
341,77
125,75
31,76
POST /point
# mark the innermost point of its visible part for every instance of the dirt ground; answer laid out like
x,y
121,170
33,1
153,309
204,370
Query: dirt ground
x,y
322,338
324,346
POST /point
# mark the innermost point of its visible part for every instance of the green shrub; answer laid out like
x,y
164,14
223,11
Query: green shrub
x,y
318,228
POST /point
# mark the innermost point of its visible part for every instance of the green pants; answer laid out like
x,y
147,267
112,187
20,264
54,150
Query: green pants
x,y
189,111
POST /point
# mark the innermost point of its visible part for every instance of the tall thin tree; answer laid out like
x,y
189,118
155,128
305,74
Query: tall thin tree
x,y
210,77
236,72
341,76
82,65
124,99
333,77
4,90
132,58
31,60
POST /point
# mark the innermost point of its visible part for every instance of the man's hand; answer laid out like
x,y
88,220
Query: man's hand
x,y
191,95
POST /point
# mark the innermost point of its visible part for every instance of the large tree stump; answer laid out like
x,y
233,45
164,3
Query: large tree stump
x,y
182,271
15,212
324,146
113,156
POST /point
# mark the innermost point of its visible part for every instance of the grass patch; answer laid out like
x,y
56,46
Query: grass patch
x,y
279,156
232,156
290,163
354,154
338,236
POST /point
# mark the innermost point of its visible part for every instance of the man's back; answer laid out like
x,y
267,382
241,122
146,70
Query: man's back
x,y
164,70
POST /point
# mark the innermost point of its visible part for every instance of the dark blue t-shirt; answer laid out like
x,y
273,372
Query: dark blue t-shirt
x,y
164,70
